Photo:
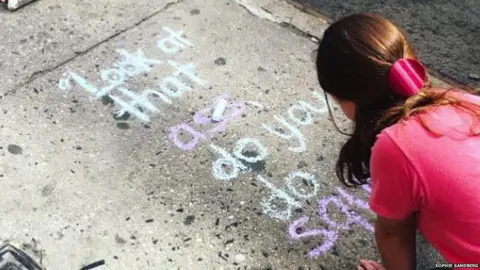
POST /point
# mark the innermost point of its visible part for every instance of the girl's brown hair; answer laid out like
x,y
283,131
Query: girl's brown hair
x,y
353,62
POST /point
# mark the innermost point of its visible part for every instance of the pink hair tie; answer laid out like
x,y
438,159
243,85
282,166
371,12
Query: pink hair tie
x,y
407,77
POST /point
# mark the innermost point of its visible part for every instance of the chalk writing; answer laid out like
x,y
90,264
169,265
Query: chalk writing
x,y
203,117
296,232
243,144
330,234
270,204
196,136
175,42
130,107
367,188
230,165
133,64
283,199
282,202
171,86
227,167
307,108
352,217
351,199
293,131
130,65
308,178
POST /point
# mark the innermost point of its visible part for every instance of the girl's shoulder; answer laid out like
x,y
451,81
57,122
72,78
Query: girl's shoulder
x,y
468,98
457,121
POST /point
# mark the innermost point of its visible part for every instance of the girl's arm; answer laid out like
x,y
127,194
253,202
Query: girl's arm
x,y
396,197
396,242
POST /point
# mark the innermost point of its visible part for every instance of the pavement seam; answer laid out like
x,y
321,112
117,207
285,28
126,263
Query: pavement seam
x,y
265,14
309,10
40,73
257,12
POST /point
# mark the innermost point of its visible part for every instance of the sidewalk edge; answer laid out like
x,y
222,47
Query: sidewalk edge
x,y
312,23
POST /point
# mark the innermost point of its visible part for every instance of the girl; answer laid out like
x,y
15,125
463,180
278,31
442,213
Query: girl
x,y
419,145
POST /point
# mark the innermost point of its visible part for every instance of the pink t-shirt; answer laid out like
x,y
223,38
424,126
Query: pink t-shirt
x,y
414,169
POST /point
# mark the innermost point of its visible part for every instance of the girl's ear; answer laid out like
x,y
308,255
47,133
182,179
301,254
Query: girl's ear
x,y
348,108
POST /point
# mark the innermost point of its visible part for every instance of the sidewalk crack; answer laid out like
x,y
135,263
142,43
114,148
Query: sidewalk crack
x,y
40,73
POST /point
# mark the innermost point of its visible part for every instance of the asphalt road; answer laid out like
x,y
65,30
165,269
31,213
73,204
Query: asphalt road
x,y
446,33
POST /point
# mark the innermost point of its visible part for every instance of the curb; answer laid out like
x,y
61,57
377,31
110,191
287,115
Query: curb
x,y
312,23
436,76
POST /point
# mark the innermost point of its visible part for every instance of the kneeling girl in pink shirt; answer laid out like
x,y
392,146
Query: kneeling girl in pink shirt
x,y
420,145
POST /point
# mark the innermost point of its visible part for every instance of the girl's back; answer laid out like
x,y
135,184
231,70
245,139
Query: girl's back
x,y
419,145
430,163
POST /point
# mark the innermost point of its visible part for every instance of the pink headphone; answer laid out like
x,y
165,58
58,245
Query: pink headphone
x,y
407,77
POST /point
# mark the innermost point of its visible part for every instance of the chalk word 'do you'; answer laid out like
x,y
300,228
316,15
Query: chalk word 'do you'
x,y
301,113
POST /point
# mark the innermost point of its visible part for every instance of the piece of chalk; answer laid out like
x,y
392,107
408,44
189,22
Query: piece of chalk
x,y
15,4
219,109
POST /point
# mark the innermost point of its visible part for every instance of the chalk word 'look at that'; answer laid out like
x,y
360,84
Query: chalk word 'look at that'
x,y
292,131
330,234
133,64
203,118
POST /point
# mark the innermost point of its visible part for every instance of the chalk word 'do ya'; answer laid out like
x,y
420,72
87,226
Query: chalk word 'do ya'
x,y
306,119
134,64
204,119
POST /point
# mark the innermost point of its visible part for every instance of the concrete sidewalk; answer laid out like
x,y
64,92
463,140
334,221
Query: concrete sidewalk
x,y
109,151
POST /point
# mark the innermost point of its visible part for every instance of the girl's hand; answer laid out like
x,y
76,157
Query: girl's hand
x,y
370,265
